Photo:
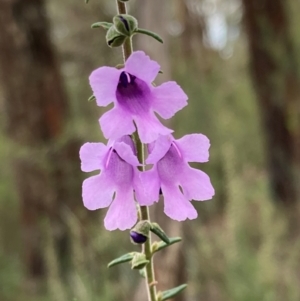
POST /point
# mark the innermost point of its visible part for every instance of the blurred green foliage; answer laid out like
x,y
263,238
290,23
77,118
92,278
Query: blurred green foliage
x,y
240,248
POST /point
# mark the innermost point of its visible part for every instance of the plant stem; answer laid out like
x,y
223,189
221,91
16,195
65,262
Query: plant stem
x,y
144,214
144,210
150,276
127,46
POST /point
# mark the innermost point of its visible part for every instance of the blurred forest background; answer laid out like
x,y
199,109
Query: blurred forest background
x,y
239,63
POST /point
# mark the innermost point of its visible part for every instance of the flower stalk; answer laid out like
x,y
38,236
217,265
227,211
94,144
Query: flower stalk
x,y
144,210
123,183
127,46
150,276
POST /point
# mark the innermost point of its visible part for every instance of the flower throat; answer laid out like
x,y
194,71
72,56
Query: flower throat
x,y
126,79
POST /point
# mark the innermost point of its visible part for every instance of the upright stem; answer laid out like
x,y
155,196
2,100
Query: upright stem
x,y
127,46
144,215
150,276
144,211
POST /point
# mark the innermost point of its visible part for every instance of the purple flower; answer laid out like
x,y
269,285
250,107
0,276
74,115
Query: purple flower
x,y
135,98
116,183
172,174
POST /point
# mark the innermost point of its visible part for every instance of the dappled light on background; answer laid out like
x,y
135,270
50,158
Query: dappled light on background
x,y
221,21
239,65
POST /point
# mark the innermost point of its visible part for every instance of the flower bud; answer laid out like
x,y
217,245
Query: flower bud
x,y
139,261
125,24
139,234
137,237
114,38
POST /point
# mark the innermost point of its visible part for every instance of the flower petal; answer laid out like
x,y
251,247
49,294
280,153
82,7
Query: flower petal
x,y
194,147
140,65
161,147
104,82
92,155
97,192
122,213
149,127
147,185
196,184
116,123
177,206
168,99
126,153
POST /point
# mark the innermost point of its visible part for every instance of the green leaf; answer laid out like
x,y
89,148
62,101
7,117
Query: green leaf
x,y
171,293
161,245
120,66
105,25
139,261
156,229
87,1
125,24
142,273
150,34
92,98
124,258
138,265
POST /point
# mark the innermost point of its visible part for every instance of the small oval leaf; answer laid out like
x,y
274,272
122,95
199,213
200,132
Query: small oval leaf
x,y
172,292
142,273
124,258
139,261
156,229
120,66
139,264
161,245
105,25
92,98
150,34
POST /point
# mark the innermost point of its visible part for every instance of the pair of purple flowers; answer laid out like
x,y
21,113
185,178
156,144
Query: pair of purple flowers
x,y
120,184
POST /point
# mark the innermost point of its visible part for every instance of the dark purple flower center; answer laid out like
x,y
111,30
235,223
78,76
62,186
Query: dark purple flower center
x,y
126,79
133,94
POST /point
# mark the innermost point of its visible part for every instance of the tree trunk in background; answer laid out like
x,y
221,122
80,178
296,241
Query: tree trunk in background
x,y
154,15
169,264
35,110
275,72
191,39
